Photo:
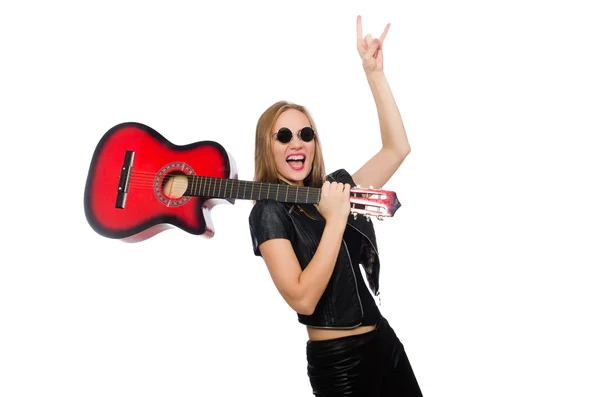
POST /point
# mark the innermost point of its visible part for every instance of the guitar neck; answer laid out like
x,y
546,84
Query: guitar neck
x,y
203,186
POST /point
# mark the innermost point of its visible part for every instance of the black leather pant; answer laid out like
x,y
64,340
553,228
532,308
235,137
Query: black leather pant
x,y
370,364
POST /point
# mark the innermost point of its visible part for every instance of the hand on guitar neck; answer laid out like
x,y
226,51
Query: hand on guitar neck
x,y
334,204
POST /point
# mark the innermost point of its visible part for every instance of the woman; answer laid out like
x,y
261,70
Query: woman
x,y
313,252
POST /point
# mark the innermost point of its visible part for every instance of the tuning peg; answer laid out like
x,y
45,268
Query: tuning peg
x,y
368,217
355,214
379,217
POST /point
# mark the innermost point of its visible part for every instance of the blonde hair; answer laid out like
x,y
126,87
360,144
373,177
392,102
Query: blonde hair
x,y
264,164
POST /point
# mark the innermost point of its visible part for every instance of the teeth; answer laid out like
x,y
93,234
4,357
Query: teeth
x,y
295,158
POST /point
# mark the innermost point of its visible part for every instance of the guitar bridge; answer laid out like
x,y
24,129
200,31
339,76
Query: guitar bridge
x,y
124,179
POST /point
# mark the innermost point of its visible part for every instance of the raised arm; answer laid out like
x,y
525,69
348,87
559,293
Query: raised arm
x,y
395,147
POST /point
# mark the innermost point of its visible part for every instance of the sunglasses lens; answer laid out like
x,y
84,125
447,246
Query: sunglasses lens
x,y
284,135
307,134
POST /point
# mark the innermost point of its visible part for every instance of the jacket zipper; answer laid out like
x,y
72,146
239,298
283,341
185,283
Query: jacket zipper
x,y
362,311
376,252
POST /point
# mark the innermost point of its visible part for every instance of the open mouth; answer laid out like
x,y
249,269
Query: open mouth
x,y
296,161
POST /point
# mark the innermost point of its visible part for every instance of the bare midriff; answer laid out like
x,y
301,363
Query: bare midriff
x,y
326,334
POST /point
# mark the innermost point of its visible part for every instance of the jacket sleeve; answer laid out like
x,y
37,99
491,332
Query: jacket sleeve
x,y
268,220
342,176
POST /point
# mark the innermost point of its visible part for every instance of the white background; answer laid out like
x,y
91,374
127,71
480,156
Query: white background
x,y
488,269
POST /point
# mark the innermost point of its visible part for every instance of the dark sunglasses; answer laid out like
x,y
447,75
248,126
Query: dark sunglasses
x,y
284,135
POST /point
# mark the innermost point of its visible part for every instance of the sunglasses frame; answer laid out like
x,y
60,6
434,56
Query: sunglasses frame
x,y
285,130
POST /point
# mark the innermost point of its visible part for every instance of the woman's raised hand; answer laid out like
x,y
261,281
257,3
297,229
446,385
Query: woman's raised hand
x,y
369,49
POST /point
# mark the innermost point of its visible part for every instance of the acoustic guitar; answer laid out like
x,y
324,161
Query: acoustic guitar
x,y
140,184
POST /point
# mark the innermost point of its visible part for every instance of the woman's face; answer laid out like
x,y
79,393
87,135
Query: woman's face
x,y
294,159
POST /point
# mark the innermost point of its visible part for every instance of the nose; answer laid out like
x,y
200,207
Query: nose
x,y
296,141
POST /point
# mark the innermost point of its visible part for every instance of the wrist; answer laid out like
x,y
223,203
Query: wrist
x,y
375,75
336,226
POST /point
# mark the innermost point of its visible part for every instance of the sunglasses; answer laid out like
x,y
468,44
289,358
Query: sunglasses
x,y
285,135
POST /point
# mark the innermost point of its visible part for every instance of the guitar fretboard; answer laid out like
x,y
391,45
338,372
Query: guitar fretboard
x,y
203,186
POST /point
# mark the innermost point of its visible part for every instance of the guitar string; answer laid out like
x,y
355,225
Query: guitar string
x,y
140,176
145,181
245,194
152,175
216,181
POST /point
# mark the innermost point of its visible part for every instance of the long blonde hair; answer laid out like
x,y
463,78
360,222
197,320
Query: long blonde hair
x,y
264,164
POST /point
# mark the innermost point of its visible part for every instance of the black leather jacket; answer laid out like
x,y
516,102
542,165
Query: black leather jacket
x,y
340,305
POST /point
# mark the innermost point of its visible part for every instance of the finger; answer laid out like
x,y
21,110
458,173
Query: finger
x,y
359,35
362,47
385,31
369,39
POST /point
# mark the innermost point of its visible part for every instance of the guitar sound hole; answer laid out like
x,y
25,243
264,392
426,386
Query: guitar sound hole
x,y
174,184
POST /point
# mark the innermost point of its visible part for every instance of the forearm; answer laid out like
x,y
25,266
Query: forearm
x,y
393,135
315,277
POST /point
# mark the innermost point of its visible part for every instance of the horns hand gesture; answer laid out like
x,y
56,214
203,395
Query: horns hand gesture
x,y
370,49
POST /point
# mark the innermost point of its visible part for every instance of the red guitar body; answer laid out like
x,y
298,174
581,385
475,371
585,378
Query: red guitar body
x,y
133,206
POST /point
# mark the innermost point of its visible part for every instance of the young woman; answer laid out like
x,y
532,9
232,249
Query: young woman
x,y
313,251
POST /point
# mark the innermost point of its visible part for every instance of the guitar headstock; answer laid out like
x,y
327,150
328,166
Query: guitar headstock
x,y
373,202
